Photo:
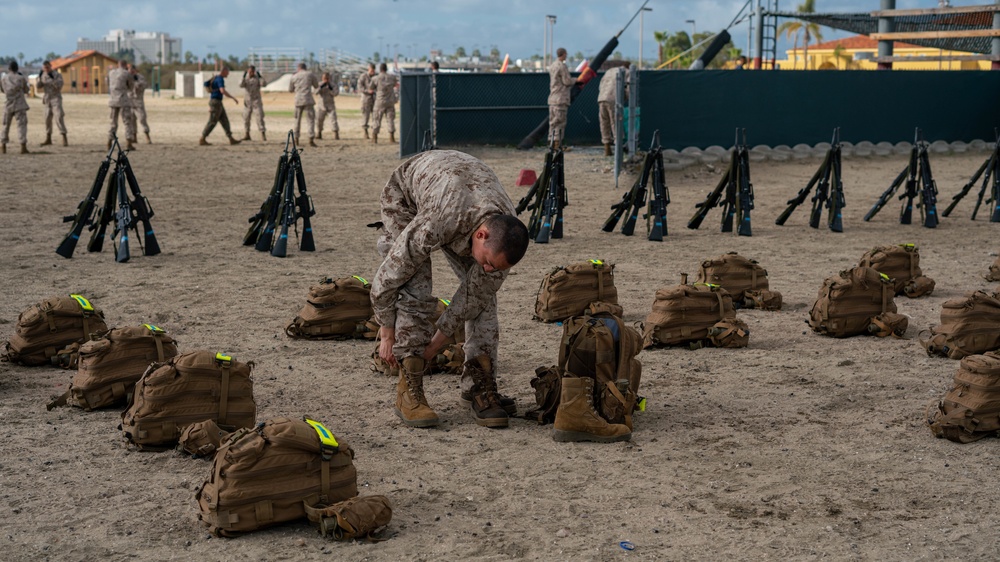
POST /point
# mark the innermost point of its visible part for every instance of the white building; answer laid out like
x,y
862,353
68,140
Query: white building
x,y
145,46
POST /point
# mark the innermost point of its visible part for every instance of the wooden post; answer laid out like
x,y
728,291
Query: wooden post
x,y
886,25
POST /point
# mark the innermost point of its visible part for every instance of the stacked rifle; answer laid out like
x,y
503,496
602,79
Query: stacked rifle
x,y
735,186
919,182
829,191
635,199
127,214
282,209
992,169
546,199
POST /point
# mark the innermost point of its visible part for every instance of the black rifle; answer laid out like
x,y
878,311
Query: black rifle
x,y
711,201
103,217
141,208
535,197
638,199
428,143
744,196
886,195
986,167
913,169
261,231
304,207
656,214
821,198
85,209
837,201
551,210
928,189
123,217
618,209
286,214
528,202
800,197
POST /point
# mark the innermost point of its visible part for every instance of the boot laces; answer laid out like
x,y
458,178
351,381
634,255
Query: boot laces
x,y
414,385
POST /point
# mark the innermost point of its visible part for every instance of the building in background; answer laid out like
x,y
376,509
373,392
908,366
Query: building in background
x,y
84,72
156,47
859,52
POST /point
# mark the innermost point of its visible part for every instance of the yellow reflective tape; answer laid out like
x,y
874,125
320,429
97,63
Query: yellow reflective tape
x,y
709,285
447,302
884,277
83,302
325,436
642,404
154,329
597,262
907,246
222,358
362,279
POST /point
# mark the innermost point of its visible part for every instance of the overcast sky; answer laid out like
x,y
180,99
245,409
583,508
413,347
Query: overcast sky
x,y
362,27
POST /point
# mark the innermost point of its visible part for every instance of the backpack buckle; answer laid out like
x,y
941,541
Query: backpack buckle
x,y
222,359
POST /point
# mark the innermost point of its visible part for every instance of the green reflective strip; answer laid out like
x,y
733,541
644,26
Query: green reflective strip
x,y
907,246
642,404
884,276
325,436
154,329
362,279
709,285
447,302
219,356
84,303
597,262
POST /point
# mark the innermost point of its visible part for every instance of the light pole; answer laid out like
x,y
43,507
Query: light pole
x,y
693,30
640,34
550,29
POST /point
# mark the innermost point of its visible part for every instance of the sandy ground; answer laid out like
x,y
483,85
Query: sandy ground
x,y
797,447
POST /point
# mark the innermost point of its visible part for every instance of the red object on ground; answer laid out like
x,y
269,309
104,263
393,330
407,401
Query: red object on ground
x,y
525,177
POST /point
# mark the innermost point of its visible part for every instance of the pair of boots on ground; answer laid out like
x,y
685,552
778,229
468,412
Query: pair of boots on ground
x,y
246,135
48,140
576,418
374,137
24,147
129,143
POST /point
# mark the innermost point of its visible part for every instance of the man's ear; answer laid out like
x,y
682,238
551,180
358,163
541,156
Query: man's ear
x,y
482,233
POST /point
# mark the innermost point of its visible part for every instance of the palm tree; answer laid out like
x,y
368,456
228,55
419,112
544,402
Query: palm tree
x,y
792,29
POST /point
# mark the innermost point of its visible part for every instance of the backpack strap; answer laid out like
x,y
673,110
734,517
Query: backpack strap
x,y
753,277
227,364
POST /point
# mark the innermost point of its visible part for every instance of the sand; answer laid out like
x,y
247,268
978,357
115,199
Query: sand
x,y
797,447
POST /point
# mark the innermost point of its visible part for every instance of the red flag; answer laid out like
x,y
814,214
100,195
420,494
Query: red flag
x,y
506,61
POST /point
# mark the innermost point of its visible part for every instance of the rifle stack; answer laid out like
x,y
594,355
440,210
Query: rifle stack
x,y
546,199
829,191
127,214
738,191
992,179
282,208
919,181
635,199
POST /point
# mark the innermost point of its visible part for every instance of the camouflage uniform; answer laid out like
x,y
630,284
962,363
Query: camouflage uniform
x,y
559,84
253,103
327,104
606,105
52,84
119,84
15,86
437,200
367,99
137,95
302,84
385,101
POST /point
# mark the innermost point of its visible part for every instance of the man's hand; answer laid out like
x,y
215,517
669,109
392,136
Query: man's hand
x,y
387,339
437,342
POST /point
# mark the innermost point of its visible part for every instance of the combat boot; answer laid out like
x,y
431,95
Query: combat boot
x,y
24,148
576,419
48,140
336,135
129,145
484,400
607,149
312,143
3,149
246,136
392,137
233,141
148,140
374,138
465,399
366,133
263,136
411,405
319,135
65,142
201,142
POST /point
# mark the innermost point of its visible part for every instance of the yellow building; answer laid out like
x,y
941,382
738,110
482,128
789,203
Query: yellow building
x,y
859,53
84,72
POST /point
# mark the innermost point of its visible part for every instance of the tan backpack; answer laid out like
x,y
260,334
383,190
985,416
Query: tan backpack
x,y
568,291
744,278
857,301
968,326
336,309
189,388
902,264
202,439
687,314
600,347
269,474
51,325
109,366
994,274
971,409
355,518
